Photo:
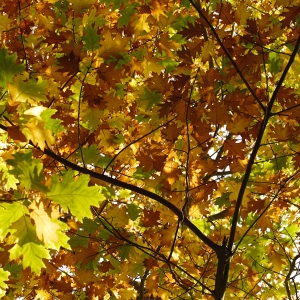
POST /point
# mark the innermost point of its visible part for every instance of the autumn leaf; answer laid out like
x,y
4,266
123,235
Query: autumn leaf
x,y
27,91
27,245
11,213
91,38
117,118
38,134
8,66
15,133
28,170
4,276
46,229
71,195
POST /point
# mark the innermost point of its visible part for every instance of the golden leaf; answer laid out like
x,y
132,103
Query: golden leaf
x,y
46,229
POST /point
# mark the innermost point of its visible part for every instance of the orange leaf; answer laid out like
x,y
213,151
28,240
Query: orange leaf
x,y
15,133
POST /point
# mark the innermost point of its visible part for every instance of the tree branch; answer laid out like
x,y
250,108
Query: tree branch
x,y
202,15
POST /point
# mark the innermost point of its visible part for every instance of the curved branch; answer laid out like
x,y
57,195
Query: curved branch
x,y
202,15
257,145
132,188
138,190
135,141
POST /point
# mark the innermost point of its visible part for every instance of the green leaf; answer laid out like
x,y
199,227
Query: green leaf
x,y
14,269
125,250
275,62
104,160
90,154
183,21
281,163
116,3
32,256
104,234
10,213
90,226
29,171
31,91
203,225
8,67
139,174
133,211
118,121
148,98
125,60
120,90
75,196
93,117
127,13
28,245
91,38
119,139
23,232
169,63
79,240
93,19
223,200
49,123
11,180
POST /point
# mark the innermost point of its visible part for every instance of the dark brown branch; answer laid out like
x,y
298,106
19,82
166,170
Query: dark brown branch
x,y
257,145
132,188
202,15
288,277
135,141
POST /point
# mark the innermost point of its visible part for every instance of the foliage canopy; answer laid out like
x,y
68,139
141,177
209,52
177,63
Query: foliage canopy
x,y
149,149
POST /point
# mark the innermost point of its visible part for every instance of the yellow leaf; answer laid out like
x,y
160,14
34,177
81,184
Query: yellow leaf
x,y
150,65
46,229
128,293
4,22
78,5
112,47
141,24
45,22
118,217
239,125
42,295
275,258
207,50
242,14
38,134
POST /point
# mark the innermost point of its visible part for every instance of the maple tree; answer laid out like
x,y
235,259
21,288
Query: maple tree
x,y
149,149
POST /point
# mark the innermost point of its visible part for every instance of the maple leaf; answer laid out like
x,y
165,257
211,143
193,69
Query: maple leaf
x,y
91,38
46,228
141,26
75,196
27,91
28,170
239,125
15,133
148,98
112,46
37,133
150,218
27,245
145,104
78,5
4,275
4,22
11,213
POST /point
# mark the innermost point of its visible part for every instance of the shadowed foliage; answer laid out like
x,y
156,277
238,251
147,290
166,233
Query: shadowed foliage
x,y
149,149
